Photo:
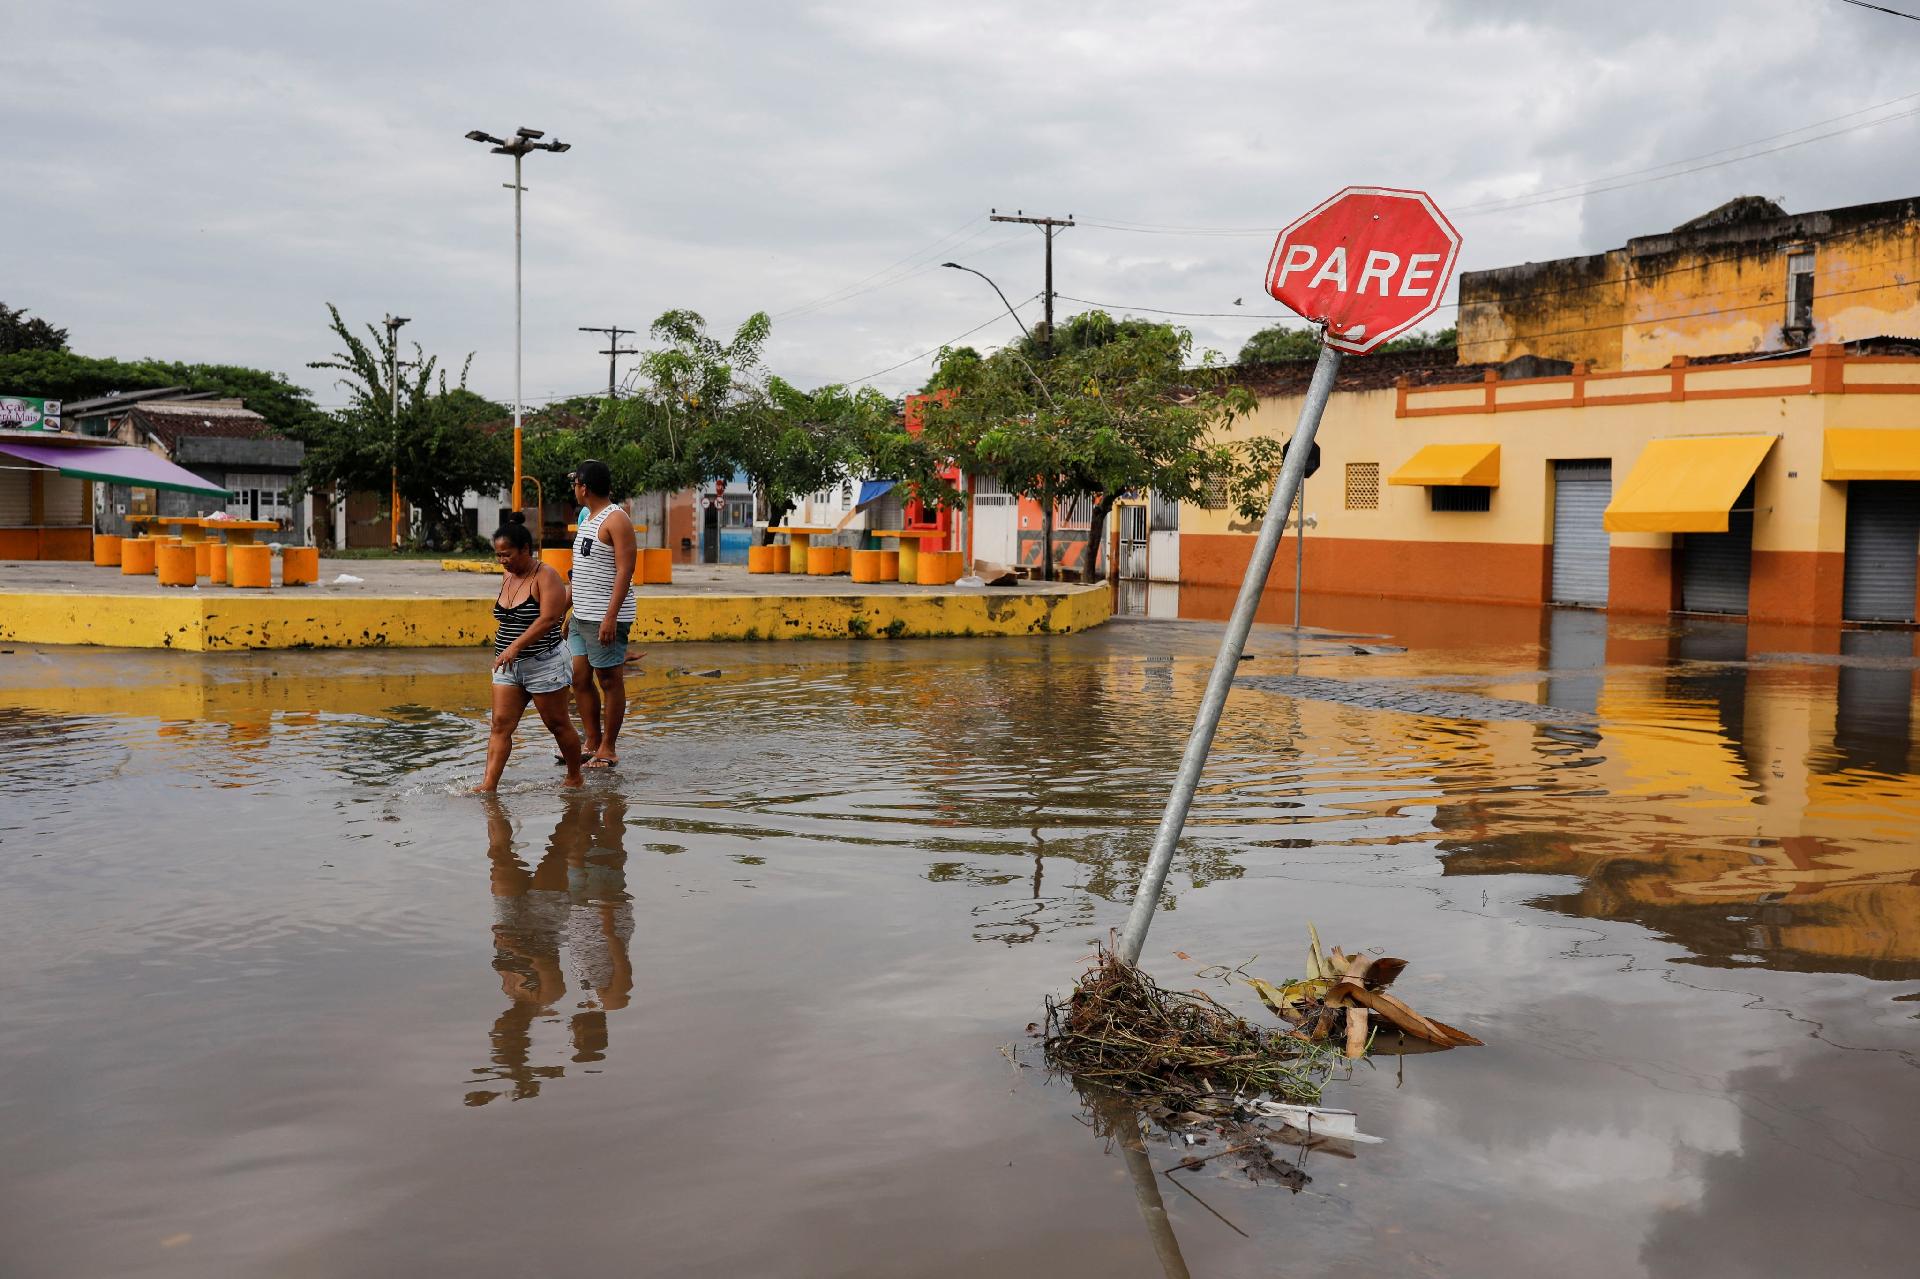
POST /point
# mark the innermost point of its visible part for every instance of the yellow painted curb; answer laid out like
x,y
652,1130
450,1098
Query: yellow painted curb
x,y
471,566
231,621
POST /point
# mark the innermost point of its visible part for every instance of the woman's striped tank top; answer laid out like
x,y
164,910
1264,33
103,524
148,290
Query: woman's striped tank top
x,y
511,623
593,574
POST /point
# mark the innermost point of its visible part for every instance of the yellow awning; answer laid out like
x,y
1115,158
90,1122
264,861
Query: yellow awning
x,y
1686,485
1450,464
1854,453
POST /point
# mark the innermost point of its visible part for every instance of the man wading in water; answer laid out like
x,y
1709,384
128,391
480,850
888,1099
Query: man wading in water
x,y
529,661
604,552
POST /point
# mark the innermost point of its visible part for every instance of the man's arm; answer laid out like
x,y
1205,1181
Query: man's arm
x,y
617,529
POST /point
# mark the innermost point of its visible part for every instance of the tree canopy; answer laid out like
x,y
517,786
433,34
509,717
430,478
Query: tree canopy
x,y
1296,342
1115,408
417,422
18,333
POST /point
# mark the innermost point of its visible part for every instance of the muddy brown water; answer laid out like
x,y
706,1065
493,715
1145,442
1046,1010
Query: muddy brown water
x,y
281,1000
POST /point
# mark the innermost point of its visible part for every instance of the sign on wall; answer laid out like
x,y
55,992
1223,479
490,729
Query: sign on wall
x,y
18,413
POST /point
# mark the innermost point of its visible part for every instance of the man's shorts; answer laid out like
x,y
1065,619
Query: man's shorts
x,y
583,638
547,674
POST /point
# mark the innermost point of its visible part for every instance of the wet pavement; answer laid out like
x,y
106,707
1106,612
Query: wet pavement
x,y
282,1000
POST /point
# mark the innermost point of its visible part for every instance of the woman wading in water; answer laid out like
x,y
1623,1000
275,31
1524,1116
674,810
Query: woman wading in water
x,y
530,659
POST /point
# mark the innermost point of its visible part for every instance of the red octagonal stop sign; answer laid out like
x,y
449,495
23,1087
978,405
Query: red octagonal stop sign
x,y
1369,263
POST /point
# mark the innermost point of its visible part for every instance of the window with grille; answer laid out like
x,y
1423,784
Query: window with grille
x,y
1213,495
1800,293
1363,486
1460,497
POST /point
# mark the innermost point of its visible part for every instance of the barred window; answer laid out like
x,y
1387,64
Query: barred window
x,y
1462,497
1213,496
1363,486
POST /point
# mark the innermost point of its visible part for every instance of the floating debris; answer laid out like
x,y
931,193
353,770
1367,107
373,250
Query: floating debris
x,y
1343,1000
1122,1030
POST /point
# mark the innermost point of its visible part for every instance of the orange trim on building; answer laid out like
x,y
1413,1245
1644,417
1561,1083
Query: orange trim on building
x,y
1796,586
1477,572
1641,579
46,544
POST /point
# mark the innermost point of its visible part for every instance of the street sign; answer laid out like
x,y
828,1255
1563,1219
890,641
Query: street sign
x,y
1313,459
1369,263
19,413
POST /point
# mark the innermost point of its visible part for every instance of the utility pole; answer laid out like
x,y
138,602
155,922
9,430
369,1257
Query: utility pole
x,y
393,323
1047,226
613,352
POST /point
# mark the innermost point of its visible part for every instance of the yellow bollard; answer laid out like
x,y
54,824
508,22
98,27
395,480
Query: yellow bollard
x,y
656,565
173,565
299,565
136,556
217,563
820,561
250,566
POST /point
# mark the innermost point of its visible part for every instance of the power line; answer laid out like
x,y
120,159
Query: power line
x,y
1880,8
827,299
1592,186
998,315
1842,268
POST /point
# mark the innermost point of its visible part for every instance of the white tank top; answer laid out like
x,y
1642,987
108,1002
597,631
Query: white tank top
x,y
593,573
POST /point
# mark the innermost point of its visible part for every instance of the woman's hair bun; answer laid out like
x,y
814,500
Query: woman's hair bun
x,y
516,517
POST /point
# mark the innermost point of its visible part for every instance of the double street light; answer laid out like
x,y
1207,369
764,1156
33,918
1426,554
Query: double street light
x,y
524,141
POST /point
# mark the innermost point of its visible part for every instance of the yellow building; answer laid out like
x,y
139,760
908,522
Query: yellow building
x,y
1747,278
1711,420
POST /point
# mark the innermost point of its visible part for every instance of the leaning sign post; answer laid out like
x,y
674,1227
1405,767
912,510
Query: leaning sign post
x,y
1369,263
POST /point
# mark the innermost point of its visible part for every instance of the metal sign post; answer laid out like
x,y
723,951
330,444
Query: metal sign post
x,y
1367,264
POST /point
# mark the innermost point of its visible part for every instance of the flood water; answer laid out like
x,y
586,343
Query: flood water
x,y
281,1000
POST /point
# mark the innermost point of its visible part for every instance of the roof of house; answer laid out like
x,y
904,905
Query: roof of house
x,y
124,399
1361,372
169,422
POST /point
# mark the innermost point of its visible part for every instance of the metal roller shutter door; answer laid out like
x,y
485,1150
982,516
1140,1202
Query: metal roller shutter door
x,y
1883,550
1581,492
1716,567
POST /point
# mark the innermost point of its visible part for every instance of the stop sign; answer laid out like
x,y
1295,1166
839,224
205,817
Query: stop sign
x,y
1369,263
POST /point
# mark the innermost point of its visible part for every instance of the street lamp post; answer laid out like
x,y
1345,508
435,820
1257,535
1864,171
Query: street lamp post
x,y
393,415
524,140
955,266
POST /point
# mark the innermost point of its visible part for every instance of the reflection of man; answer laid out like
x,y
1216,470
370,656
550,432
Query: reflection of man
x,y
574,898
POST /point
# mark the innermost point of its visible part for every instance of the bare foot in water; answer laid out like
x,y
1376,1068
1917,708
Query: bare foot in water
x,y
574,780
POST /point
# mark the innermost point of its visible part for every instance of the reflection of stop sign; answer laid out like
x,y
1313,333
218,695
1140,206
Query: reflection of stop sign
x,y
1369,263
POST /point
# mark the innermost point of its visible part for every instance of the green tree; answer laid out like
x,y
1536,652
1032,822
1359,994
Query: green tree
x,y
433,438
1281,342
18,333
62,375
948,368
1115,410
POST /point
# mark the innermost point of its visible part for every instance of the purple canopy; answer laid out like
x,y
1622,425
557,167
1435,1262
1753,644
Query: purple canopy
x,y
113,463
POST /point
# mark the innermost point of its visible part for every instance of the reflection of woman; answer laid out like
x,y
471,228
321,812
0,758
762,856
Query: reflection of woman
x,y
575,899
530,661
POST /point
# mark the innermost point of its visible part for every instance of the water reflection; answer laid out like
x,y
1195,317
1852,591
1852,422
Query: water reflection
x,y
573,900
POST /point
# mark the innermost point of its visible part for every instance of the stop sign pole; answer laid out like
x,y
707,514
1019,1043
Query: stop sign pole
x,y
1369,263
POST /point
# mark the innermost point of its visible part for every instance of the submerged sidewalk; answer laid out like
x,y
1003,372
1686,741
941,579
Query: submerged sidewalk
x,y
415,604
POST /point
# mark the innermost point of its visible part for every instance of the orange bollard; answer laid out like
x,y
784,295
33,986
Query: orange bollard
x,y
759,559
202,551
656,565
299,565
217,563
889,566
867,565
106,550
843,559
820,561
136,556
782,558
250,566
173,565
560,557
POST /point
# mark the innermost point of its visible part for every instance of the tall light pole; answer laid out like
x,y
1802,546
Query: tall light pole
x,y
393,405
524,140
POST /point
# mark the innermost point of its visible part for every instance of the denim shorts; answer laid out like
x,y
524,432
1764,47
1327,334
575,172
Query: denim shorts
x,y
548,674
583,639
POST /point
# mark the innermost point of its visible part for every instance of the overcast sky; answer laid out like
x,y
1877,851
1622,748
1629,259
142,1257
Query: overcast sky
x,y
196,180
